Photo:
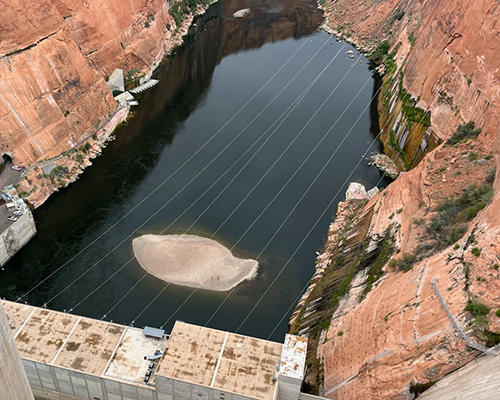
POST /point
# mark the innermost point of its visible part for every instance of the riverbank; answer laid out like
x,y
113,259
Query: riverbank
x,y
57,171
47,177
193,261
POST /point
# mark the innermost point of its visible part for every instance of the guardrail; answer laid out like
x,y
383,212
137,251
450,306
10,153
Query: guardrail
x,y
457,327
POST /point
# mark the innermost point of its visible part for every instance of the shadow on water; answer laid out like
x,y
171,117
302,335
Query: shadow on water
x,y
184,80
223,63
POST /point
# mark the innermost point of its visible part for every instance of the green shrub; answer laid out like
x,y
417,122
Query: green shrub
x,y
418,388
477,309
473,156
340,333
386,251
398,15
444,97
498,313
450,222
490,176
418,221
412,39
406,263
380,52
481,321
410,109
393,263
476,251
496,266
390,64
463,133
183,8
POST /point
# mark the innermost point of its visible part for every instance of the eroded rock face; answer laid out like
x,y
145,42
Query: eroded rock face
x,y
54,55
377,345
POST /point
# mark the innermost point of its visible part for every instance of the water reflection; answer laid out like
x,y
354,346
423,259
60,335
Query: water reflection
x,y
224,62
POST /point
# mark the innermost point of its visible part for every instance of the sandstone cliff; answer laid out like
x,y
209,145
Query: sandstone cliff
x,y
381,332
54,56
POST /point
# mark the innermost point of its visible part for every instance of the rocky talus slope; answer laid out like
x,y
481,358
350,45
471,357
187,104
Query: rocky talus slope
x,y
380,332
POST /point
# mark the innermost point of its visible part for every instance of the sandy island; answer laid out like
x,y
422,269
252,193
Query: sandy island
x,y
193,261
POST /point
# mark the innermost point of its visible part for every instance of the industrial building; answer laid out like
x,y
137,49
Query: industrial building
x,y
71,357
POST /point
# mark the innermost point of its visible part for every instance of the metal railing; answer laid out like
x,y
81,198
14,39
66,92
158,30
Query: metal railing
x,y
457,327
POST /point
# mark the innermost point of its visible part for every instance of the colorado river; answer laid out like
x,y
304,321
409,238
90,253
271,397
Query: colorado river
x,y
208,153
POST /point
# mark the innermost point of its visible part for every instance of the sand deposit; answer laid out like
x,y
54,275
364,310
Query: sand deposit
x,y
193,261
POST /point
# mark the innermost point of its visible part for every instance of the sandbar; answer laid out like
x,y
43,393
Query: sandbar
x,y
194,261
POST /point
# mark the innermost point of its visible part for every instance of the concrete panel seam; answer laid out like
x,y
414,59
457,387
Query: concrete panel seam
x,y
114,352
219,360
66,340
24,323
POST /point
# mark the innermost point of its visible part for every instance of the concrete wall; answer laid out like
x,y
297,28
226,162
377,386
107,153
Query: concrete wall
x,y
13,382
53,383
288,388
307,396
172,389
16,236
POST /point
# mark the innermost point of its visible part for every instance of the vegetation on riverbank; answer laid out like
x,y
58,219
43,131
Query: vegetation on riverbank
x,y
181,9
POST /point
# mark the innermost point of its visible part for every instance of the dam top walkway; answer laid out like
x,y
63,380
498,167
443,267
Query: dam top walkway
x,y
192,354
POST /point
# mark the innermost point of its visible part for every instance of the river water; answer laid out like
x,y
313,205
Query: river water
x,y
209,152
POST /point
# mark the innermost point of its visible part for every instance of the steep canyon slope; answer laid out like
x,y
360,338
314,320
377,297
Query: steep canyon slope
x,y
384,333
54,56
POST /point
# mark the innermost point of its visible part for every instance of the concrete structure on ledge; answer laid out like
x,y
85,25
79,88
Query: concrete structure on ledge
x,y
116,82
71,357
14,234
293,359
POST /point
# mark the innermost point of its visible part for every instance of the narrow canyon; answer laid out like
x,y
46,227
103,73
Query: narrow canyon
x,y
406,289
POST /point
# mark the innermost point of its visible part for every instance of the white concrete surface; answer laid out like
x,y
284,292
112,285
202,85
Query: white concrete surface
x,y
478,380
116,81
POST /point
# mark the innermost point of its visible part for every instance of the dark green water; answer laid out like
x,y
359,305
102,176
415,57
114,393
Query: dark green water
x,y
177,128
